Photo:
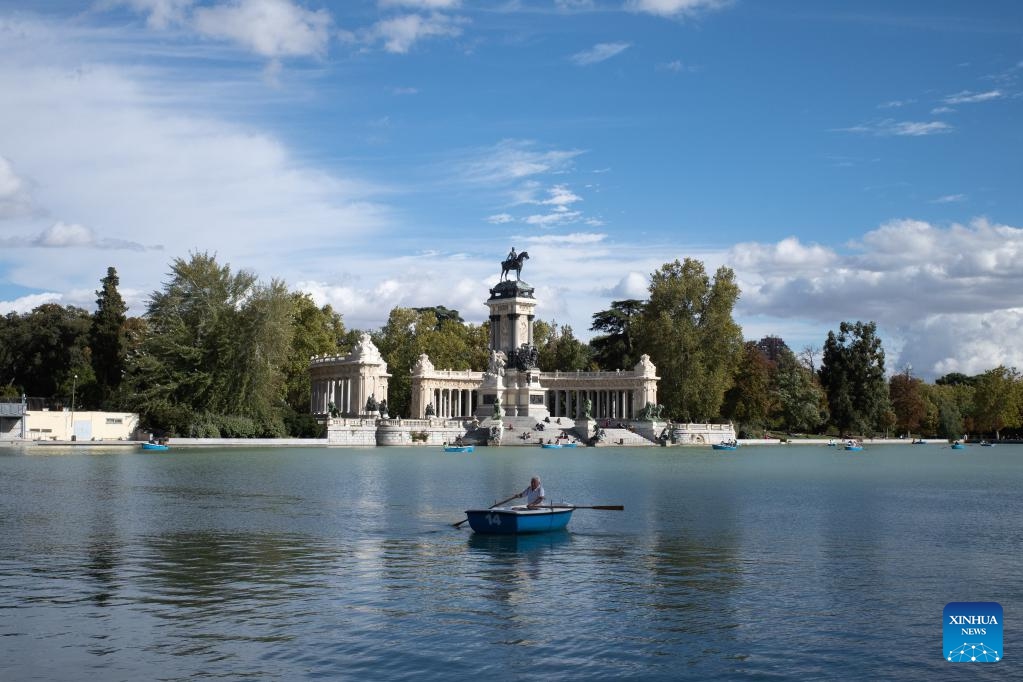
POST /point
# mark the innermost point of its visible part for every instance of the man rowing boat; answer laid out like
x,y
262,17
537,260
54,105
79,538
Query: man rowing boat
x,y
534,493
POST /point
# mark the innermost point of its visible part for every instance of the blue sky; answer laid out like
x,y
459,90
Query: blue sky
x,y
850,160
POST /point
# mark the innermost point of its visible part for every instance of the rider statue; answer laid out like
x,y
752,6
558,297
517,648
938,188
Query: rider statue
x,y
512,255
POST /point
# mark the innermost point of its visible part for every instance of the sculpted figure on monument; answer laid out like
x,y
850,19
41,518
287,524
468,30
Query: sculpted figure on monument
x,y
525,357
497,362
371,403
513,262
587,409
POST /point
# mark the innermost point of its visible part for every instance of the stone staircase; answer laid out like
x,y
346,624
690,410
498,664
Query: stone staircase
x,y
523,431
623,438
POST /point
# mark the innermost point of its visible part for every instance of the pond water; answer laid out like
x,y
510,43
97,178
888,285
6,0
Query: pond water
x,y
771,562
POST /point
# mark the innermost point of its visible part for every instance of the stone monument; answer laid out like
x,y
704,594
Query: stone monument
x,y
513,375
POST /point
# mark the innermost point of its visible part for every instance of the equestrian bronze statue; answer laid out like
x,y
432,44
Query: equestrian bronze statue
x,y
514,263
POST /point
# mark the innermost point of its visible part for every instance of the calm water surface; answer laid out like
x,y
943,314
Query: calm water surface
x,y
766,563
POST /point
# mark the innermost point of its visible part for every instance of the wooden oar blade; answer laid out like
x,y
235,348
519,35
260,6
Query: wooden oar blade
x,y
605,507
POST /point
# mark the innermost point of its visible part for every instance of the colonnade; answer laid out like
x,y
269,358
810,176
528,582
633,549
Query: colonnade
x,y
605,404
453,402
338,391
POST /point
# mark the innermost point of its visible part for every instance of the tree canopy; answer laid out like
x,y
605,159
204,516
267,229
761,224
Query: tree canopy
x,y
688,330
853,376
212,361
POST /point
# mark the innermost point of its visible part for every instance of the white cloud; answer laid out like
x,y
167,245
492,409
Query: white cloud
x,y
27,304
678,67
400,33
911,277
634,285
422,4
895,103
404,91
162,13
942,110
599,53
14,195
560,195
61,235
949,199
788,255
890,126
967,97
513,160
500,219
574,239
271,28
559,216
675,8
160,165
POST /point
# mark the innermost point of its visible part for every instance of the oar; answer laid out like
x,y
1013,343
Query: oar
x,y
496,504
605,507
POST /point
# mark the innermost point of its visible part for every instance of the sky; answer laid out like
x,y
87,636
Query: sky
x,y
849,160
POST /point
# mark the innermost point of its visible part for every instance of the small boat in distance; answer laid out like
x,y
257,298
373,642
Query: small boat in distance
x,y
958,446
551,445
986,444
519,520
155,446
853,445
918,441
725,445
459,448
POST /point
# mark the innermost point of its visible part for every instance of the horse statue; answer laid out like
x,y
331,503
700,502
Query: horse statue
x,y
514,264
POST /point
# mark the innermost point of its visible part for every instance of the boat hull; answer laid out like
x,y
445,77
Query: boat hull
x,y
458,448
719,446
551,446
155,446
958,446
518,521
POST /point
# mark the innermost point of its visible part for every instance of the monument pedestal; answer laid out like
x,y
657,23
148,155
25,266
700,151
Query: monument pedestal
x,y
524,396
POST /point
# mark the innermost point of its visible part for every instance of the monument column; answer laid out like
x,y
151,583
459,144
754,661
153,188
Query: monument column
x,y
513,376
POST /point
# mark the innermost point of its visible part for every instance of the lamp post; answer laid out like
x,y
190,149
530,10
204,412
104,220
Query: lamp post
x,y
74,385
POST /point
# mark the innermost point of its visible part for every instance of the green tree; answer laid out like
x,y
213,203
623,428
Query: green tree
x,y
951,402
410,333
996,400
749,402
559,349
315,331
442,314
799,399
107,337
909,402
42,351
614,349
853,376
213,361
688,331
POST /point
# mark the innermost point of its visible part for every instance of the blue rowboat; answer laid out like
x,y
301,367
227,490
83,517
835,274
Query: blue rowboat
x,y
553,446
155,446
458,448
518,520
958,446
853,446
725,446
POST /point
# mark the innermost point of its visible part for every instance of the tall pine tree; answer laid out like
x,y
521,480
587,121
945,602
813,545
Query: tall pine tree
x,y
107,338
